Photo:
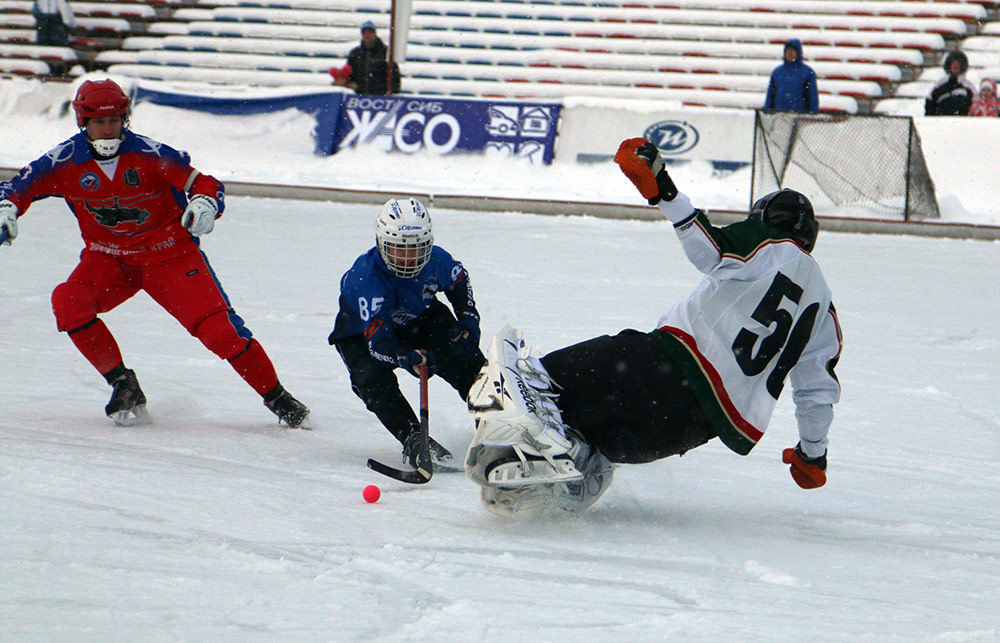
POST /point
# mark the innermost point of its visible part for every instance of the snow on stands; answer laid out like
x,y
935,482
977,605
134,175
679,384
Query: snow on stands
x,y
720,53
697,52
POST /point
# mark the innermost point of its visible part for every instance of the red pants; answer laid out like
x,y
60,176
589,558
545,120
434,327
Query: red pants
x,y
184,286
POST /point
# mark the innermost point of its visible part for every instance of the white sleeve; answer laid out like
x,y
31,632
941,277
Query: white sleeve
x,y
815,386
678,209
698,245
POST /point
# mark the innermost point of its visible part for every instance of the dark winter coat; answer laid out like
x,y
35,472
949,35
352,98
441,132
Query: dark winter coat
x,y
793,85
952,95
369,69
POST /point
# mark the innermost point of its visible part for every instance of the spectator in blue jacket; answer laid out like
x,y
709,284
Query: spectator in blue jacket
x,y
793,83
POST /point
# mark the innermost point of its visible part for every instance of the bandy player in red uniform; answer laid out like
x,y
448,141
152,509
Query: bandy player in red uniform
x,y
141,208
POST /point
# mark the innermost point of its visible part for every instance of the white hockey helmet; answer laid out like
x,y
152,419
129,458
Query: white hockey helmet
x,y
404,236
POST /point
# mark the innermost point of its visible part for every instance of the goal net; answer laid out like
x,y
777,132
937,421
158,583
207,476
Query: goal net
x,y
865,165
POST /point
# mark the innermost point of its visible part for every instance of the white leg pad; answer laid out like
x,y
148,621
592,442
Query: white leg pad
x,y
520,437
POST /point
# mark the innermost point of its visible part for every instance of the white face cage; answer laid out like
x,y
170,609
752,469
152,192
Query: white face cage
x,y
107,146
404,236
406,260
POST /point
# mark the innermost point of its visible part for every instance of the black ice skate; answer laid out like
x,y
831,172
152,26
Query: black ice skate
x,y
440,456
127,406
289,410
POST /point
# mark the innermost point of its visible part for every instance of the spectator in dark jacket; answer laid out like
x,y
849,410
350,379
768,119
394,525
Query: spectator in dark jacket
x,y
53,20
367,67
953,94
793,83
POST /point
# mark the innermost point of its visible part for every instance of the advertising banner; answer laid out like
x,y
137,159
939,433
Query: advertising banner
x,y
723,137
324,105
445,125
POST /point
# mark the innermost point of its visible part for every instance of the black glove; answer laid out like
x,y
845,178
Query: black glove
x,y
411,360
649,153
465,337
808,473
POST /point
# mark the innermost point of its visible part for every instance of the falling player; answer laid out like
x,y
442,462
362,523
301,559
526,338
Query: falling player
x,y
141,208
549,429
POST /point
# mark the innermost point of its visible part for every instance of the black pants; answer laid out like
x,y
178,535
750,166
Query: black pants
x,y
625,396
376,384
50,30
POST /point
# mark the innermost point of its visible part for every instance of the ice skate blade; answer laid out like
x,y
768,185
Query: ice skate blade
x,y
446,465
137,416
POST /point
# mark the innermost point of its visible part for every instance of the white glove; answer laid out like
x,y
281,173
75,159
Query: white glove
x,y
8,220
199,216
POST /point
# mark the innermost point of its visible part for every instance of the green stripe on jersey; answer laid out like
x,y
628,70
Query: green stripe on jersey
x,y
742,238
703,391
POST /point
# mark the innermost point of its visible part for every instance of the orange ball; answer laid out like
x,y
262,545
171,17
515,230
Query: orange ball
x,y
371,493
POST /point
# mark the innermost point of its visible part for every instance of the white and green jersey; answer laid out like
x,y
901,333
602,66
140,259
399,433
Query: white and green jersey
x,y
762,313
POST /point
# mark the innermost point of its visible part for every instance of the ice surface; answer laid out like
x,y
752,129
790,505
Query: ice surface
x,y
216,524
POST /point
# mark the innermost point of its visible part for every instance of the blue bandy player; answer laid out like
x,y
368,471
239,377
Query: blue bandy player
x,y
390,317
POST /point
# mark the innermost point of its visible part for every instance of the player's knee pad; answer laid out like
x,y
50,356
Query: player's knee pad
x,y
219,335
519,452
73,304
520,438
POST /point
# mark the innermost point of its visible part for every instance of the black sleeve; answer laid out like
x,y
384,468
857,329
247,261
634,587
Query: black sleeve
x,y
966,105
461,298
352,60
931,104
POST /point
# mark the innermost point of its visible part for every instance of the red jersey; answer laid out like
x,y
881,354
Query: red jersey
x,y
129,206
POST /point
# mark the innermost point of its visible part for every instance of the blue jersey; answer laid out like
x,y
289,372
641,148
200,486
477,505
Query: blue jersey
x,y
373,301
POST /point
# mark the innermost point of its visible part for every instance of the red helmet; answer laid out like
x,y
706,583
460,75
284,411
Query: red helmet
x,y
99,98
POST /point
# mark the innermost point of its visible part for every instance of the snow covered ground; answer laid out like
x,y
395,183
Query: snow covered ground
x,y
215,524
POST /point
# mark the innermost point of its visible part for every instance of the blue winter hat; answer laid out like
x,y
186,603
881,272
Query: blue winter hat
x,y
368,25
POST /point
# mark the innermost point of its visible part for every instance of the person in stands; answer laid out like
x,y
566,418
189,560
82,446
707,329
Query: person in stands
x,y
987,104
953,94
793,83
53,20
367,68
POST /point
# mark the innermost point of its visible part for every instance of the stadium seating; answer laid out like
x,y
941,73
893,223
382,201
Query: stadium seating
x,y
983,51
99,25
867,53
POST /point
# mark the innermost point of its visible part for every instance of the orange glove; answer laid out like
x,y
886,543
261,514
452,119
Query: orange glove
x,y
808,473
640,161
636,168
